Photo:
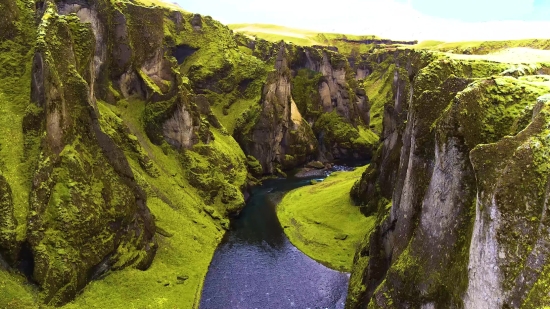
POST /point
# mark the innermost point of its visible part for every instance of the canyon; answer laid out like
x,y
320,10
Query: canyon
x,y
131,137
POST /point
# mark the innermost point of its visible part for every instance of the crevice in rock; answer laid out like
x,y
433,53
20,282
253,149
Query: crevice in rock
x,y
100,270
243,85
182,52
25,261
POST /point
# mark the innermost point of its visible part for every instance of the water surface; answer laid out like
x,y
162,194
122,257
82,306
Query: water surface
x,y
256,266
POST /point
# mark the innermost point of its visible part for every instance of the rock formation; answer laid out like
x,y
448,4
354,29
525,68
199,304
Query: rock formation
x,y
459,187
129,135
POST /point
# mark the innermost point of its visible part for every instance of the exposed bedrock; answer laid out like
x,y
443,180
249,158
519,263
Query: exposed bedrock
x,y
460,187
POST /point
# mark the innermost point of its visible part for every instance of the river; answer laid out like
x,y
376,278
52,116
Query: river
x,y
256,266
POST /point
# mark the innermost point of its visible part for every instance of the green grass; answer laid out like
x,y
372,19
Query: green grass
x,y
378,87
165,4
516,55
229,121
428,44
179,211
275,33
317,218
15,292
482,47
368,135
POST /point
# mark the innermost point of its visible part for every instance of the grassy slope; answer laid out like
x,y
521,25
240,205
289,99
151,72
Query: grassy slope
x,y
378,87
15,292
482,47
317,217
516,55
161,3
186,254
229,121
275,33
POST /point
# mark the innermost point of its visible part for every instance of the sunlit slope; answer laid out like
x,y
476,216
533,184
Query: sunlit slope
x,y
516,55
161,3
322,221
275,33
482,47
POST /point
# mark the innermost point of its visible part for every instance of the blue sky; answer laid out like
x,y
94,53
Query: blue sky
x,y
447,20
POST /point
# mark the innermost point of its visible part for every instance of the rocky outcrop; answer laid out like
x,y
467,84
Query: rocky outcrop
x,y
509,247
441,240
132,107
276,134
86,207
323,90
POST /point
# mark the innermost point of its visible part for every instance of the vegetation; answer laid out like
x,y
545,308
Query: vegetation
x,y
322,221
337,131
482,47
274,33
346,43
118,162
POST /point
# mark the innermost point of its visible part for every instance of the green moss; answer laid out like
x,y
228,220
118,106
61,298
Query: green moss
x,y
16,149
8,244
335,130
359,270
246,122
229,116
145,32
305,92
322,221
491,109
83,43
225,180
191,229
254,166
149,83
538,295
16,292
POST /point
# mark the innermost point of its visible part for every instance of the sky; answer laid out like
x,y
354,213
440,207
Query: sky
x,y
445,20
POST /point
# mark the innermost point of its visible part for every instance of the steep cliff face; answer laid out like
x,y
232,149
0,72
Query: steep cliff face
x,y
449,196
117,123
86,213
92,96
276,132
129,133
317,89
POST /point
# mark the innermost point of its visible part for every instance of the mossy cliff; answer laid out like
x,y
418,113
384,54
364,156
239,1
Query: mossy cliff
x,y
313,106
117,156
112,159
130,133
459,186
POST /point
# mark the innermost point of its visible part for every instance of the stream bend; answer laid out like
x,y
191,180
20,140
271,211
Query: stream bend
x,y
256,266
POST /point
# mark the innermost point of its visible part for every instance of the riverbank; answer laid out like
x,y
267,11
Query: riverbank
x,y
322,221
256,266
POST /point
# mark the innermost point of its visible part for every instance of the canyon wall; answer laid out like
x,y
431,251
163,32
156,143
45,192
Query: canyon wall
x,y
459,186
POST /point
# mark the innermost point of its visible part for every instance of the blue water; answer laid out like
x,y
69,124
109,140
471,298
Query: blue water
x,y
256,266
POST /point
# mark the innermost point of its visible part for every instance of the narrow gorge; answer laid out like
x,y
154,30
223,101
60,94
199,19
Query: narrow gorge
x,y
133,134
